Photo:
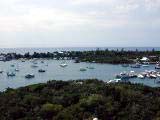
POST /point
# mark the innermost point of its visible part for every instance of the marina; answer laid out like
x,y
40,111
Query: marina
x,y
15,73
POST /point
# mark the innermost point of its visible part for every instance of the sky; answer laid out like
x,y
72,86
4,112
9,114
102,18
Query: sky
x,y
79,23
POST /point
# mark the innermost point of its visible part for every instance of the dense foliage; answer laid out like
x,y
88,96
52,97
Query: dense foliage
x,y
77,100
99,56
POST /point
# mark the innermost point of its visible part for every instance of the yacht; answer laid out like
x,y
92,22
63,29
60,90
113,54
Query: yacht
x,y
11,74
41,70
123,75
63,65
114,81
140,76
29,76
83,69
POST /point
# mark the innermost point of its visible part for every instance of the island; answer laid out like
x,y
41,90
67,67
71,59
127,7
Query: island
x,y
81,99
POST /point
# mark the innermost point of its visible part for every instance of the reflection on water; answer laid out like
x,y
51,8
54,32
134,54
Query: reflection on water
x,y
55,72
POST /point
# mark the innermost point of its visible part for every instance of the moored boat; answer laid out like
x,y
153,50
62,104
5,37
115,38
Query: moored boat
x,y
63,65
29,76
11,74
83,69
41,70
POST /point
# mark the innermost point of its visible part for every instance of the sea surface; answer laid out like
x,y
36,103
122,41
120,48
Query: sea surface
x,y
103,72
44,50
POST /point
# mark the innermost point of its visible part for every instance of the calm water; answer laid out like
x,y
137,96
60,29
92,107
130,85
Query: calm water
x,y
55,72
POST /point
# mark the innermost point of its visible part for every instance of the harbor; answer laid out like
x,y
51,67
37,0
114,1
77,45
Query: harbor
x,y
18,73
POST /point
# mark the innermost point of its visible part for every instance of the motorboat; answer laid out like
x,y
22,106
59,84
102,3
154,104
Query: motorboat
x,y
34,66
140,76
41,70
114,81
17,70
12,65
11,74
145,65
83,69
123,75
132,74
1,71
28,76
63,65
157,67
153,76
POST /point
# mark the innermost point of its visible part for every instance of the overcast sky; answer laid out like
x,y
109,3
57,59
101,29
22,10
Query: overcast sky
x,y
79,23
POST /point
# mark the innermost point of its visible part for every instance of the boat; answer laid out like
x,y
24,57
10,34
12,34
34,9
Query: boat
x,y
125,65
140,76
76,61
114,81
153,76
41,70
90,67
83,69
29,76
132,74
123,75
63,65
12,65
11,74
34,66
1,71
137,65
157,67
158,74
145,65
17,70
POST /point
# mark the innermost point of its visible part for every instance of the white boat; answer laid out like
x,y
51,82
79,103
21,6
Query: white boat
x,y
153,76
123,75
83,69
17,70
11,74
158,74
145,65
114,81
29,76
140,76
63,65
